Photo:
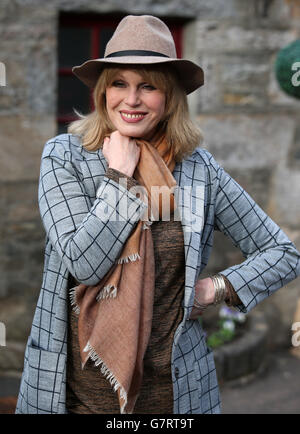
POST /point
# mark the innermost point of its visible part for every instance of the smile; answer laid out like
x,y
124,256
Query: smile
x,y
132,117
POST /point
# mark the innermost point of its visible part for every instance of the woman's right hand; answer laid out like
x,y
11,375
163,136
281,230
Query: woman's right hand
x,y
121,153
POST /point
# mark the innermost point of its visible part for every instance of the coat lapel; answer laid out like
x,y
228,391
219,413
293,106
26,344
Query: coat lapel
x,y
190,177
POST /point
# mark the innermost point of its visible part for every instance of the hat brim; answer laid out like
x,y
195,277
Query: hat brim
x,y
190,74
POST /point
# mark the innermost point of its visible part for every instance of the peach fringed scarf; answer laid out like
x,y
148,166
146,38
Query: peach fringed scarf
x,y
115,316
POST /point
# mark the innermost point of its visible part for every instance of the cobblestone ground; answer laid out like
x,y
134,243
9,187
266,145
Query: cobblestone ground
x,y
277,391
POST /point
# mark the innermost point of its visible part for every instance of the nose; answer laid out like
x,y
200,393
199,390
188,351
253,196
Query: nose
x,y
132,97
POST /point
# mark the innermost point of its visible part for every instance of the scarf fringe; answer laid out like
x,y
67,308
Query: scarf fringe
x,y
131,258
74,304
109,291
92,354
147,224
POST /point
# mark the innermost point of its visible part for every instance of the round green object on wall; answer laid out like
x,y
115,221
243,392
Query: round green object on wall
x,y
287,69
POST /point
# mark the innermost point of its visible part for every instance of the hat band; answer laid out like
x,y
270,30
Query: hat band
x,y
136,53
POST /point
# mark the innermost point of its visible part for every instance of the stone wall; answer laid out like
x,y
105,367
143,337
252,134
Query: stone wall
x,y
249,125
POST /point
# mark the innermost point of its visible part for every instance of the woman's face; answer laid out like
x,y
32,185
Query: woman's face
x,y
134,106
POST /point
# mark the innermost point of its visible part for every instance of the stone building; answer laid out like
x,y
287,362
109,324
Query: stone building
x,y
250,126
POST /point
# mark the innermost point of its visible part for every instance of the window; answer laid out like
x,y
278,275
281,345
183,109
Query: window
x,y
83,37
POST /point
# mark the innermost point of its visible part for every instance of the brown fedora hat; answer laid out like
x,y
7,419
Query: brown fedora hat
x,y
142,40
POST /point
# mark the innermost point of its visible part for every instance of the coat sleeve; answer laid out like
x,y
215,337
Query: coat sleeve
x,y
271,261
87,236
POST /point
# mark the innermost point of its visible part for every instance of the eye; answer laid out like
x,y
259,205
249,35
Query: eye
x,y
118,83
148,87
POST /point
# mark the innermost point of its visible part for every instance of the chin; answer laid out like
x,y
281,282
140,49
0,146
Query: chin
x,y
131,132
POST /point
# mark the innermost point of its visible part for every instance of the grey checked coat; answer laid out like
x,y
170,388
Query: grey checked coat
x,y
73,193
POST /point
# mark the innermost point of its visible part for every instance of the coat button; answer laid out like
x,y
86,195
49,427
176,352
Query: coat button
x,y
176,372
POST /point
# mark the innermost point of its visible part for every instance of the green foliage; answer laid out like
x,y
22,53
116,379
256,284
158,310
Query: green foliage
x,y
221,336
230,325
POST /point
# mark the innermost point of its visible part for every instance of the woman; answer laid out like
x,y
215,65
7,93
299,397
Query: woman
x,y
128,259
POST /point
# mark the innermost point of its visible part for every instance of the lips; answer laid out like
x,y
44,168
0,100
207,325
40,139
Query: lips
x,y
133,116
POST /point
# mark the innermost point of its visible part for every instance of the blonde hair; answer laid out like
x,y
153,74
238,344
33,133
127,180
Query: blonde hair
x,y
176,125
